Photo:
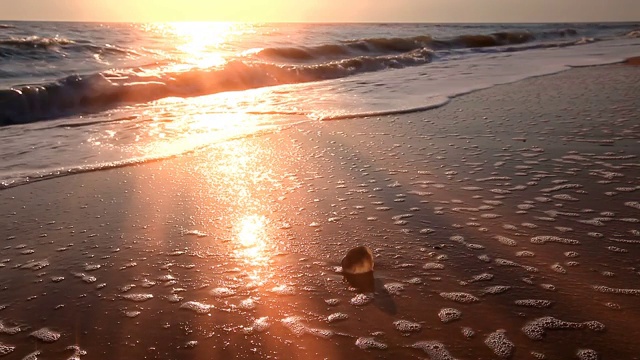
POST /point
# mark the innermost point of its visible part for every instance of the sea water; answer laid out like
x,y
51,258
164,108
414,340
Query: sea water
x,y
78,97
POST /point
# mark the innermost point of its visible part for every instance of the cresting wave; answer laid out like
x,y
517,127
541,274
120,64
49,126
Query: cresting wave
x,y
101,91
399,45
394,45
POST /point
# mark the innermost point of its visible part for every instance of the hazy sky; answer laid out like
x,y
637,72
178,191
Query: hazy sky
x,y
323,10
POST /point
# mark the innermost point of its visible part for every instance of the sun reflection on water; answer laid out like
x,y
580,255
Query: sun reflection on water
x,y
200,45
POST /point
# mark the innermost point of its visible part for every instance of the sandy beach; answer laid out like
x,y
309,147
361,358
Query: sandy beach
x,y
505,224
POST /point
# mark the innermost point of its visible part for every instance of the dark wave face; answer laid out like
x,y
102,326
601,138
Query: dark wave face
x,y
34,47
381,46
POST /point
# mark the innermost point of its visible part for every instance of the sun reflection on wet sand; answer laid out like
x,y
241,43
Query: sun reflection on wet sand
x,y
252,239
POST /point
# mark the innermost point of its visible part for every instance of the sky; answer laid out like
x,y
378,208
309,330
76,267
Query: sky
x,y
323,10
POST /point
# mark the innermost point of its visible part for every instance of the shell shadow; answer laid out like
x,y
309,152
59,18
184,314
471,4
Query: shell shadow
x,y
367,283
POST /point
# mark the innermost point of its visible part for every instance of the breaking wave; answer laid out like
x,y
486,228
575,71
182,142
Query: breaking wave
x,y
103,90
268,67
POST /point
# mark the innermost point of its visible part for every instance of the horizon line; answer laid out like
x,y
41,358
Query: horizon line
x,y
324,22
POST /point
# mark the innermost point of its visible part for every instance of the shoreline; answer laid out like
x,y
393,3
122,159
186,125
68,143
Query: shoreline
x,y
494,182
435,104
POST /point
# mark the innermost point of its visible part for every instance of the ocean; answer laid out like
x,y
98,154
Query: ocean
x,y
77,97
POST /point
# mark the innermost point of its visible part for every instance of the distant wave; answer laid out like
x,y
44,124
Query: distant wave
x,y
6,26
35,47
381,46
634,34
36,42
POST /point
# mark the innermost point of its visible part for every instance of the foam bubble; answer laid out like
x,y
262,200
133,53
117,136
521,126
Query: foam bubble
x,y
633,204
505,262
9,330
284,290
594,325
174,298
435,350
617,249
332,302
222,292
77,352
534,303
295,325
259,325
138,297
612,305
536,329
92,267
406,326
366,343
481,277
460,297
545,239
548,287
361,299
31,356
6,349
89,279
45,335
247,304
448,315
433,266
506,241
558,268
494,290
565,197
394,288
525,254
605,289
35,265
468,332
337,317
146,283
587,354
537,355
501,346
191,344
196,307
131,314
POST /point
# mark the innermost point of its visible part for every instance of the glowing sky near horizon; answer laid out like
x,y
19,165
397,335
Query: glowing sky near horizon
x,y
323,10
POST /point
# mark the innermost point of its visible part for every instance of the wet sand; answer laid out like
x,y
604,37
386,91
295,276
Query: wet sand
x,y
504,225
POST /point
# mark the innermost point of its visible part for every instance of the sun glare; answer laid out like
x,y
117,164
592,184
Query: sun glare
x,y
200,44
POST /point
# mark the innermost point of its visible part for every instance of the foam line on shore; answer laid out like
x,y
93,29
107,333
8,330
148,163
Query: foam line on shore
x,y
25,179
